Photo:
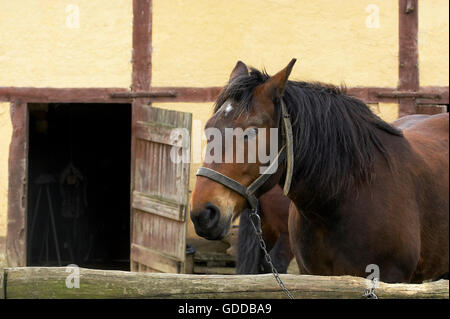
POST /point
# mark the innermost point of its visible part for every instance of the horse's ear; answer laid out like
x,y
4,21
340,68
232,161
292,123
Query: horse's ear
x,y
275,85
239,69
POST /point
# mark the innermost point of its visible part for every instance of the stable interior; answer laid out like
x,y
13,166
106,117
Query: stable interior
x,y
79,161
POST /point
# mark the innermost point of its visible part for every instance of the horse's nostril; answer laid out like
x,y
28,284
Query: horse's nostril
x,y
207,218
214,215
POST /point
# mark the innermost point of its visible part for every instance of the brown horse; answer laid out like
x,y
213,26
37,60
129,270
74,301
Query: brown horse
x,y
274,220
274,224
364,191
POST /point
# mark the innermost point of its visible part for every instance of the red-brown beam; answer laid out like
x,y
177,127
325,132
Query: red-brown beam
x,y
17,186
140,81
195,94
62,95
142,45
408,54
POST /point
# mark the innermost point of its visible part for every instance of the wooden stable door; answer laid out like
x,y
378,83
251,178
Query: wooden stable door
x,y
160,189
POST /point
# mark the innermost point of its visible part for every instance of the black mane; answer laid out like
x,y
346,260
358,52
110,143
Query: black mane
x,y
335,135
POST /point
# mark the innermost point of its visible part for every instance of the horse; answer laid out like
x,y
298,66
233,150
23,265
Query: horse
x,y
274,220
274,214
364,193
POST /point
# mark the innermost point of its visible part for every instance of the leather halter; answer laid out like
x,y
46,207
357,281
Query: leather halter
x,y
285,153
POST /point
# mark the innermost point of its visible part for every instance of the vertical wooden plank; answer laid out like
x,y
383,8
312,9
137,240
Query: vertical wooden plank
x,y
17,187
142,45
140,79
408,54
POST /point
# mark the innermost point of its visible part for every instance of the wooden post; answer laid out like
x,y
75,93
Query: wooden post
x,y
17,186
408,54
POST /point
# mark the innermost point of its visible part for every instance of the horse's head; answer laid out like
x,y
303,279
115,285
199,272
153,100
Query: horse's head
x,y
243,140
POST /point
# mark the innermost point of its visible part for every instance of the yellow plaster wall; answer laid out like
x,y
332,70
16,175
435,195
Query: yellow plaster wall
x,y
433,42
196,43
5,138
387,111
43,44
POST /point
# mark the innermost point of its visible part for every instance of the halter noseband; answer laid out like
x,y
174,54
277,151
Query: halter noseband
x,y
285,152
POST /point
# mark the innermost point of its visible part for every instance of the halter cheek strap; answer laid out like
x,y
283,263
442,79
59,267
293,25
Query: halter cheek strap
x,y
289,148
285,152
247,192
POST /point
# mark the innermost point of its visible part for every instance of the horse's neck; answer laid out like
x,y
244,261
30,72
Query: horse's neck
x,y
315,202
312,203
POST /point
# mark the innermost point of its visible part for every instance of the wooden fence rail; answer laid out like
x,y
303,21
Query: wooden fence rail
x,y
50,282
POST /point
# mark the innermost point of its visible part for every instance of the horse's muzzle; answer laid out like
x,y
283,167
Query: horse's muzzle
x,y
207,222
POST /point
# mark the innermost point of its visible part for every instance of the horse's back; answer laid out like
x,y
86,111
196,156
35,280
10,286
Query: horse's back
x,y
429,139
427,135
409,120
431,126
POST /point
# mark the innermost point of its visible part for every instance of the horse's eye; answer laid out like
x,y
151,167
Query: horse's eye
x,y
251,132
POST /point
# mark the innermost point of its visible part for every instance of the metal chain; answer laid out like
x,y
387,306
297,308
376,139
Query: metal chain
x,y
369,292
258,232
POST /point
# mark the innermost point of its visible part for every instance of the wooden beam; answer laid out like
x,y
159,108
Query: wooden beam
x,y
406,94
143,94
442,91
50,282
431,109
426,95
190,94
140,81
408,54
62,95
142,45
17,186
174,94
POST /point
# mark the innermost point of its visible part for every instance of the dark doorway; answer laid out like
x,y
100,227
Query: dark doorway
x,y
79,161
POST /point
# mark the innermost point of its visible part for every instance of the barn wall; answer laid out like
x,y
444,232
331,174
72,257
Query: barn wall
x,y
80,43
196,44
433,42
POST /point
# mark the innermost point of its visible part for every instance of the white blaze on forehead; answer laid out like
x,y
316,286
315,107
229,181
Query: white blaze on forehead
x,y
229,108
226,107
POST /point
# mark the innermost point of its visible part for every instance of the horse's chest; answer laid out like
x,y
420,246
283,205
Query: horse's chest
x,y
316,251
325,250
